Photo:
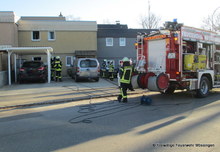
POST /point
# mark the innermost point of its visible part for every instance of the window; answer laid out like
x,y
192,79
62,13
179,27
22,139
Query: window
x,y
122,41
31,64
36,36
69,60
109,41
88,63
36,58
51,35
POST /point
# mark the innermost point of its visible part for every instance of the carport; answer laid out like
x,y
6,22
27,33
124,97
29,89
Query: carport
x,y
27,51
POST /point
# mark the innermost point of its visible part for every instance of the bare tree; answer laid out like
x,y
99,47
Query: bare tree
x,y
212,22
207,23
149,21
216,23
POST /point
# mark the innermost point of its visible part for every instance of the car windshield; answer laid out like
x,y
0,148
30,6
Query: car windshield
x,y
31,64
88,63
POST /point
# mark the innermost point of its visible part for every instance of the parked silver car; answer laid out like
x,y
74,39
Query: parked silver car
x,y
85,68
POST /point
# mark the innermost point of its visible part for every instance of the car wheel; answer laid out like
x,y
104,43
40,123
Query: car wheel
x,y
72,76
76,78
43,80
97,79
20,81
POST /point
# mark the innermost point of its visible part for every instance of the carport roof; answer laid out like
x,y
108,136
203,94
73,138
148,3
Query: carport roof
x,y
29,50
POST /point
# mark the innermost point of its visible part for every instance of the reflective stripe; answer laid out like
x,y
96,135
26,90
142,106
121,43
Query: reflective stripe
x,y
123,96
58,66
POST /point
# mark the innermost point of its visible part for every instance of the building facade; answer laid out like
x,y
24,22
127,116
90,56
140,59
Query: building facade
x,y
116,41
67,38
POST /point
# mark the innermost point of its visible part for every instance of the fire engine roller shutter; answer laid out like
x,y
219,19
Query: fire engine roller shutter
x,y
157,55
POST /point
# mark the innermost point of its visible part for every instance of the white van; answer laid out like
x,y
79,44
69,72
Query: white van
x,y
85,68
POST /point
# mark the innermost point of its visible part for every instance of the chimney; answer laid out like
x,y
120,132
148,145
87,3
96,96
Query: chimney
x,y
61,15
117,22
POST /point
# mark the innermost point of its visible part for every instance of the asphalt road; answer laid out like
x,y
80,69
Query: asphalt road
x,y
174,123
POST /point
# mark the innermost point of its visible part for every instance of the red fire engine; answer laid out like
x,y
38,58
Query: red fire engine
x,y
177,58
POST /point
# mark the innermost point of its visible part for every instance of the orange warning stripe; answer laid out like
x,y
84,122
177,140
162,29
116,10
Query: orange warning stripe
x,y
155,37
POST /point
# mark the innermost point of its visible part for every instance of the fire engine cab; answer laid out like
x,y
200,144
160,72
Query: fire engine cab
x,y
177,58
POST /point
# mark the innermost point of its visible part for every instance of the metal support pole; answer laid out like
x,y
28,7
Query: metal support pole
x,y
9,67
15,67
48,66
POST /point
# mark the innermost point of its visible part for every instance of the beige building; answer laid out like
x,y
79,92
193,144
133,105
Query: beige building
x,y
67,38
8,38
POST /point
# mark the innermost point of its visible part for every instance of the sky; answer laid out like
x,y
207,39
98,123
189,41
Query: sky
x,y
188,12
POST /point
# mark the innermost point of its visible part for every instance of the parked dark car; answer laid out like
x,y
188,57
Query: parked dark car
x,y
32,70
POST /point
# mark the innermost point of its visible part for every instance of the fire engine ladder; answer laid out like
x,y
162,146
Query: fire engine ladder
x,y
140,54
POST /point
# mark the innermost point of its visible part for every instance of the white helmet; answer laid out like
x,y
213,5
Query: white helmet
x,y
125,59
57,57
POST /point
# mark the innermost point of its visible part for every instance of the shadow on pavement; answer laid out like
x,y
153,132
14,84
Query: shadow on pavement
x,y
67,127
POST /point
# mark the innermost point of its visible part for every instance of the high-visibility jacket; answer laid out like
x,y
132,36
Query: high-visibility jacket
x,y
58,65
125,74
111,68
103,67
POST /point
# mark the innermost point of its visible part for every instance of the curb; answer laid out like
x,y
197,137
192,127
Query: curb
x,y
61,101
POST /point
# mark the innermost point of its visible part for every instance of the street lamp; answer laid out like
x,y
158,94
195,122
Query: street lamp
x,y
213,17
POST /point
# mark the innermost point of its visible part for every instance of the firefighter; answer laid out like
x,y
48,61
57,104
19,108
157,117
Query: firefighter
x,y
58,68
104,68
125,74
52,68
111,71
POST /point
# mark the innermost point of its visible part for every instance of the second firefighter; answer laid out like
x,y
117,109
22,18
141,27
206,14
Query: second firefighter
x,y
58,68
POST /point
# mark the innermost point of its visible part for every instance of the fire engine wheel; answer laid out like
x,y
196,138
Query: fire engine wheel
x,y
204,88
169,90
